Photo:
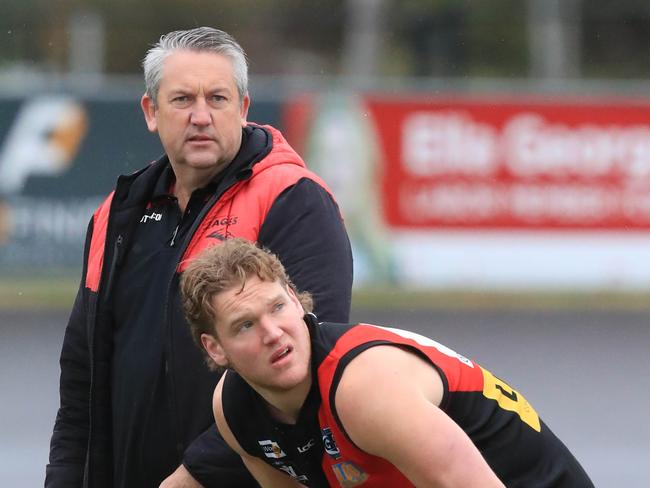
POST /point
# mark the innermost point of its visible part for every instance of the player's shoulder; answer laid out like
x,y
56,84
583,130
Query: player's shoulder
x,y
385,371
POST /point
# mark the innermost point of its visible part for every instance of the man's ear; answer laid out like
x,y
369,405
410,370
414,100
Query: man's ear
x,y
214,350
243,111
149,110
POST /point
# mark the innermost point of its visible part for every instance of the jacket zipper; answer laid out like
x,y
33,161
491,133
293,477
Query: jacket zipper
x,y
115,262
169,347
173,241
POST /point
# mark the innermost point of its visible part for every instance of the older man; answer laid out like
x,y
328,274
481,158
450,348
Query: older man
x,y
134,391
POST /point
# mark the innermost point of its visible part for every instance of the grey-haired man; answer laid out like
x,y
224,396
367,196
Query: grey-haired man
x,y
135,393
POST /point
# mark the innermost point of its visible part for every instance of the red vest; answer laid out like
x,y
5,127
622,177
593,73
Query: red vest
x,y
240,212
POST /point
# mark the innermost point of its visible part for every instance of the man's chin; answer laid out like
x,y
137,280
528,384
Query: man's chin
x,y
203,161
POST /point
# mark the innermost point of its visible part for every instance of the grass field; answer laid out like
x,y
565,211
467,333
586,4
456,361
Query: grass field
x,y
51,293
58,293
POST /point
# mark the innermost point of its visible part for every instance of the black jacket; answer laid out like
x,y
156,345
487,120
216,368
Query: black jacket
x,y
303,227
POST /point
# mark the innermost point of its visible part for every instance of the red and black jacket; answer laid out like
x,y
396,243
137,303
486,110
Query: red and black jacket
x,y
264,201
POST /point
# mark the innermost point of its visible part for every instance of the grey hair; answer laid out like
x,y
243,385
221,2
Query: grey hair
x,y
203,39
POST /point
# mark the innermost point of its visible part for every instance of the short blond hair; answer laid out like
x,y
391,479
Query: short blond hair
x,y
220,268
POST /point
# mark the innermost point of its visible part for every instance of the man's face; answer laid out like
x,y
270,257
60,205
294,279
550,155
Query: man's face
x,y
261,335
198,114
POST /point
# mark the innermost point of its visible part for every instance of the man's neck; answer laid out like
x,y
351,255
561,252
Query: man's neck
x,y
188,181
285,406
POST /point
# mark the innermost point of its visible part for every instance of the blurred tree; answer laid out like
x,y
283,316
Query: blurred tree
x,y
26,34
496,39
436,35
616,38
554,34
440,38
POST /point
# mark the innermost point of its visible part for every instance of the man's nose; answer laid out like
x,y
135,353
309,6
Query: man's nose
x,y
200,113
271,331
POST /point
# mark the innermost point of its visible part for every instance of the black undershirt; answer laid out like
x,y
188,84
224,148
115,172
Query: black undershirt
x,y
140,335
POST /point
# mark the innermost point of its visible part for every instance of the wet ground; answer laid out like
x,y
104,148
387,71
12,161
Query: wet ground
x,y
587,374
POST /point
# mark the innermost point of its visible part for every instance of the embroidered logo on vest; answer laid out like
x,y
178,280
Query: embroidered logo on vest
x,y
154,216
219,227
222,237
221,221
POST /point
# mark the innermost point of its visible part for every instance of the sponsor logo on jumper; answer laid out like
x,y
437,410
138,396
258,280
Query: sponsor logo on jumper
x,y
330,445
349,474
307,446
154,216
292,472
272,449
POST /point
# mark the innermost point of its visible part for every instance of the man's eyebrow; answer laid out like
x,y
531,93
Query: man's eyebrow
x,y
242,317
178,91
219,90
269,302
277,297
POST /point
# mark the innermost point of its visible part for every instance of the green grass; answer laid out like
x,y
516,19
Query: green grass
x,y
48,293
58,293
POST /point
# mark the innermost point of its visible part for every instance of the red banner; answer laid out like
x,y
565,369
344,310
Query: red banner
x,y
497,164
490,163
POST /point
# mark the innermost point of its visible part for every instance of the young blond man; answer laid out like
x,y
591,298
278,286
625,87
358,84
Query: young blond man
x,y
315,404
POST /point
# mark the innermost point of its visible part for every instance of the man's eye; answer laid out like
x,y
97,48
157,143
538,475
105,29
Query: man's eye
x,y
180,100
217,98
245,325
278,306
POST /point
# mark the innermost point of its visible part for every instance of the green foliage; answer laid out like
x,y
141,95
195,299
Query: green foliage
x,y
496,39
438,38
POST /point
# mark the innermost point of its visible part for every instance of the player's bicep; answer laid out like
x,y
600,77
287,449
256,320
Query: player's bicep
x,y
379,392
388,405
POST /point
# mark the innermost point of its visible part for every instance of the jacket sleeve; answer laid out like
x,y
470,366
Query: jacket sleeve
x,y
69,441
305,229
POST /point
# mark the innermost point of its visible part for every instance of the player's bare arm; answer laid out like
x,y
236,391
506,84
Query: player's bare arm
x,y
388,401
265,475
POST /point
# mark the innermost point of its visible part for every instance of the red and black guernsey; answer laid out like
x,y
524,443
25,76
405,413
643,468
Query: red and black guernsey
x,y
516,443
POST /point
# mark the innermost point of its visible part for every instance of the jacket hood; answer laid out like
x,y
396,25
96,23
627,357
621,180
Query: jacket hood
x,y
281,151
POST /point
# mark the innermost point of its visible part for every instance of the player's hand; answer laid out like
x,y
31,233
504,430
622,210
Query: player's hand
x,y
181,478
